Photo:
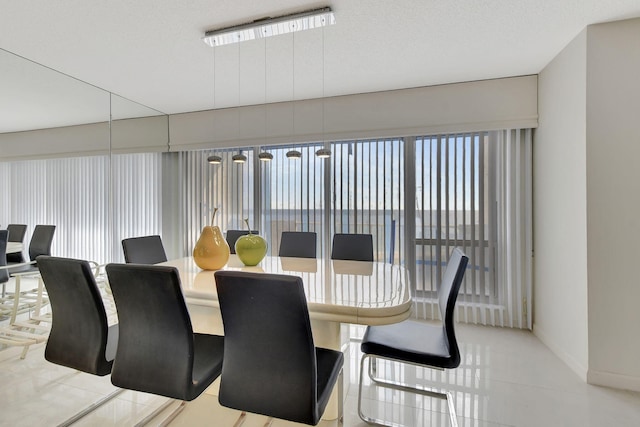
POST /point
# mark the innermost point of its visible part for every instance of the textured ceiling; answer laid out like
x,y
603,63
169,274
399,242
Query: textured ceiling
x,y
150,51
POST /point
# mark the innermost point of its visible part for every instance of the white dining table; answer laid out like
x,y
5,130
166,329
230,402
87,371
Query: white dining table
x,y
14,247
338,292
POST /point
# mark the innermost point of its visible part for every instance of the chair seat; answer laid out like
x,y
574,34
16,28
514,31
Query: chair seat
x,y
411,341
23,268
329,366
207,361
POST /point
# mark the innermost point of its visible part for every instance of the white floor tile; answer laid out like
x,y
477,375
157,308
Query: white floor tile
x,y
507,378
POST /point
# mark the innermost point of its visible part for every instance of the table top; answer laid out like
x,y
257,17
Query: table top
x,y
368,293
13,247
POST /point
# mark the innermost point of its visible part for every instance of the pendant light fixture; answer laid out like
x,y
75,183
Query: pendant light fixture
x,y
265,156
270,26
214,160
324,152
293,153
239,158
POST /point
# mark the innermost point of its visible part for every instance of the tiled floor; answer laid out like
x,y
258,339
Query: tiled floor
x,y
507,377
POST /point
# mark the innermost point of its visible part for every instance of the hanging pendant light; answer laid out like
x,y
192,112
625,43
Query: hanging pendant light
x,y
265,157
214,160
239,158
294,154
323,153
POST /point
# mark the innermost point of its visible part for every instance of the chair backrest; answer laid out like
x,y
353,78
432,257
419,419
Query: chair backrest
x,y
447,296
352,247
4,274
16,232
233,235
41,239
79,330
269,363
155,347
300,244
144,250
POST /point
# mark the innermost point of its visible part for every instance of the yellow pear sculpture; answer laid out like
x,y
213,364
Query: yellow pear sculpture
x,y
212,250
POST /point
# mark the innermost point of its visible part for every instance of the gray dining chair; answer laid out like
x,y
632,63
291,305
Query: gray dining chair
x,y
144,250
80,336
158,352
352,247
4,272
234,235
16,234
417,343
299,244
271,365
40,244
14,332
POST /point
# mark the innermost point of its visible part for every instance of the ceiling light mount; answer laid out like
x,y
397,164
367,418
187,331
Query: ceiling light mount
x,y
268,27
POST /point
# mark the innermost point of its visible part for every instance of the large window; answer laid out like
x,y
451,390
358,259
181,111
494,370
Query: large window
x,y
473,191
418,196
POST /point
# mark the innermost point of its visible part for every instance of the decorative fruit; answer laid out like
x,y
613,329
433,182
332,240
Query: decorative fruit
x,y
251,248
211,251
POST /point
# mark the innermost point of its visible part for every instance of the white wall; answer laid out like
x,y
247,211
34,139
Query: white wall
x,y
461,107
587,205
560,216
613,202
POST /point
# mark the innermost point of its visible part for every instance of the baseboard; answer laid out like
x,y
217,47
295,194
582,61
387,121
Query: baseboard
x,y
569,360
609,379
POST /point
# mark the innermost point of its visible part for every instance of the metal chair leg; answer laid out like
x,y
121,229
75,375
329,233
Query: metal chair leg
x,y
402,387
90,409
168,419
240,420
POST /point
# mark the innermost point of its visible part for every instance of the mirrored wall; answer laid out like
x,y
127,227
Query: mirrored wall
x,y
64,148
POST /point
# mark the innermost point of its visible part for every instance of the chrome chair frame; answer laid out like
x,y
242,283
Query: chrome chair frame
x,y
401,343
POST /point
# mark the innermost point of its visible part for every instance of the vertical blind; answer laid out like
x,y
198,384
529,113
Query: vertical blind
x,y
92,206
474,191
227,187
368,193
292,195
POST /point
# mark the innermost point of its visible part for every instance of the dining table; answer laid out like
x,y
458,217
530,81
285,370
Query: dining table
x,y
338,292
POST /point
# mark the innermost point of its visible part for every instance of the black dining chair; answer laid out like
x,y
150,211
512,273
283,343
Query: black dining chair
x,y
144,250
16,234
40,244
21,301
271,365
352,247
80,336
158,352
418,343
4,271
299,244
233,235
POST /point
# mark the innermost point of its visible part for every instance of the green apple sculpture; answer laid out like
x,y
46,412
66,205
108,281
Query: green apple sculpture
x,y
251,248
